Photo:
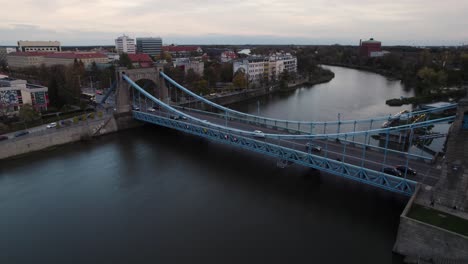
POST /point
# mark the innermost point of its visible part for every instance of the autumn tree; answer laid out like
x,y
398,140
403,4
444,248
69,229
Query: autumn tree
x,y
239,80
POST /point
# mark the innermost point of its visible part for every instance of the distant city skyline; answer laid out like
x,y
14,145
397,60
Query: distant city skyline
x,y
90,22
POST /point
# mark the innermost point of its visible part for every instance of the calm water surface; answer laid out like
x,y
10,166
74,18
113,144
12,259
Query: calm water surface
x,y
153,195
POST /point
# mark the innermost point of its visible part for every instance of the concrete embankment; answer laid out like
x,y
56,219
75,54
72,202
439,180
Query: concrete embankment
x,y
52,137
418,240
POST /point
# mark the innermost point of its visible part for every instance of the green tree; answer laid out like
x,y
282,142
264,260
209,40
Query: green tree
x,y
27,113
192,77
167,56
201,87
284,79
464,65
239,80
210,74
226,72
124,61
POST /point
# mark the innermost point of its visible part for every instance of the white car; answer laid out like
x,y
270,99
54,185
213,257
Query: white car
x,y
259,134
151,109
52,125
313,147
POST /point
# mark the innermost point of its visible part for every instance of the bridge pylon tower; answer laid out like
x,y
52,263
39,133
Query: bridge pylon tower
x,y
122,95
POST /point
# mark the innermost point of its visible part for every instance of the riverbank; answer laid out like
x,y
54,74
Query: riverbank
x,y
387,74
248,94
48,138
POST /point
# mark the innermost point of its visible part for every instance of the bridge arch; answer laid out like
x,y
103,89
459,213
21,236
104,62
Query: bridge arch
x,y
151,75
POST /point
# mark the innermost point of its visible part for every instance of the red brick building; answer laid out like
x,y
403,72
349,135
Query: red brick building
x,y
367,47
141,60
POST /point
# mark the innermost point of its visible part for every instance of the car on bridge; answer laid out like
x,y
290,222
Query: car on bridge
x,y
392,171
136,108
313,147
151,109
259,134
403,168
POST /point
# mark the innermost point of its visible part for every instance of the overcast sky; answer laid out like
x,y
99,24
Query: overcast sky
x,y
94,22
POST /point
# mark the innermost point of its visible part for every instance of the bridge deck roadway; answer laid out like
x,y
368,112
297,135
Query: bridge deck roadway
x,y
426,173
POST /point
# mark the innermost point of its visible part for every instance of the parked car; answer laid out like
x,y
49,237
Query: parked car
x,y
3,138
403,168
392,171
259,134
52,125
313,147
21,133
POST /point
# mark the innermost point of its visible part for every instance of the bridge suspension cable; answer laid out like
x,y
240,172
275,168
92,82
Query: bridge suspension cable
x,y
291,125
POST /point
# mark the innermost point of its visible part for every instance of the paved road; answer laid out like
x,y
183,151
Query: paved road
x,y
374,158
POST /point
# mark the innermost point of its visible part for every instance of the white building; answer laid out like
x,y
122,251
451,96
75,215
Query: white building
x,y
125,44
15,93
260,69
197,66
280,62
39,46
255,68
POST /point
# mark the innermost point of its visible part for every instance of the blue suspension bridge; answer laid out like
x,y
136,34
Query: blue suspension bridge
x,y
345,148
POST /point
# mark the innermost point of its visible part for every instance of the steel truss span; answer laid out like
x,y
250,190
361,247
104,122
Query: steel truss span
x,y
279,144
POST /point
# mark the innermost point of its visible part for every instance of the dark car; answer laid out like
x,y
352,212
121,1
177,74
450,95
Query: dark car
x,y
392,171
3,138
403,168
21,133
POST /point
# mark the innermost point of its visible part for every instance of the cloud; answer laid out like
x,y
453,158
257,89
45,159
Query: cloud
x,y
188,21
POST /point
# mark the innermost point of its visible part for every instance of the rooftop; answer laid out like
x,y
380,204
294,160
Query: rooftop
x,y
29,54
140,57
76,55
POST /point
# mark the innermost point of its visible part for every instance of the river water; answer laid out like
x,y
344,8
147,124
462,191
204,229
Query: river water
x,y
153,195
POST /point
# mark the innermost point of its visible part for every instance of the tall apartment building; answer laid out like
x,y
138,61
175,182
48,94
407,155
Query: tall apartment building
x,y
150,46
39,46
125,44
